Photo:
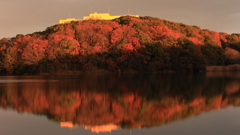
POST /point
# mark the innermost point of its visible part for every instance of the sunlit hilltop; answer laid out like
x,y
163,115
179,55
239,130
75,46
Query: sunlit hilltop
x,y
95,16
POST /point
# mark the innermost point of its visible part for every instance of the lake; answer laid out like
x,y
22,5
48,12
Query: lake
x,y
131,104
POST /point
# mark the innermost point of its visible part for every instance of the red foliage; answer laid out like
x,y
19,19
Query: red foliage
x,y
223,37
32,48
55,47
128,97
169,41
200,37
118,111
216,38
135,42
68,31
159,32
217,103
137,102
85,48
197,102
90,35
98,98
161,112
4,39
214,104
117,35
127,48
3,47
136,20
121,32
195,40
115,24
128,31
97,49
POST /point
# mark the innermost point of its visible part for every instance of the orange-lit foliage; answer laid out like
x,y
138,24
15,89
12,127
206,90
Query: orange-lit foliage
x,y
216,38
117,35
128,41
4,39
32,50
195,40
159,32
223,37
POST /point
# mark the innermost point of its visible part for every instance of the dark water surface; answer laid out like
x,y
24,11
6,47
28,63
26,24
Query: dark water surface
x,y
136,104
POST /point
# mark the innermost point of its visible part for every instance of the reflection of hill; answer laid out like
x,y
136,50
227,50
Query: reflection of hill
x,y
106,102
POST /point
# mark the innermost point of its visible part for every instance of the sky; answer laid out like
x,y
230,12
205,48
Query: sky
x,y
28,16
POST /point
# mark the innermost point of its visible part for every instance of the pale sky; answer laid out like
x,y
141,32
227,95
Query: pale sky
x,y
28,16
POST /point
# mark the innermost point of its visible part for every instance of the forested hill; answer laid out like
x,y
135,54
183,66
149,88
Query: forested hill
x,y
144,44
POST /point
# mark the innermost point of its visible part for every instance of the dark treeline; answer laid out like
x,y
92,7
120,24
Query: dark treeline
x,y
144,44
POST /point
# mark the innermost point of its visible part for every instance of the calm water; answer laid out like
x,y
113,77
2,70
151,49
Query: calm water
x,y
136,104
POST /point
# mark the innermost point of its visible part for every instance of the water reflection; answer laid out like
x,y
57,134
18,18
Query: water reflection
x,y
102,103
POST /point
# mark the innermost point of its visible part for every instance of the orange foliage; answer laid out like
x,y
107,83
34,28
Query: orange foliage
x,y
4,39
32,49
97,49
127,48
216,37
135,42
117,35
195,40
159,32
2,47
197,102
223,37
162,112
128,97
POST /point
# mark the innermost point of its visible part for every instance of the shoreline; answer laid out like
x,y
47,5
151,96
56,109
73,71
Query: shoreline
x,y
228,68
209,69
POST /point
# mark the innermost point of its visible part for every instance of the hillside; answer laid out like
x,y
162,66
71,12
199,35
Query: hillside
x,y
143,44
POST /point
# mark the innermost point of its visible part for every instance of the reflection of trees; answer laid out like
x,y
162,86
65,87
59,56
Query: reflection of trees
x,y
128,101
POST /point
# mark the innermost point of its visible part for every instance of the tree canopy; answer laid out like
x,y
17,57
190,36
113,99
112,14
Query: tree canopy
x,y
143,44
